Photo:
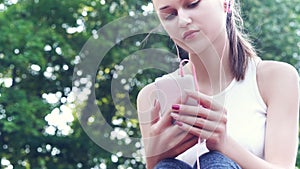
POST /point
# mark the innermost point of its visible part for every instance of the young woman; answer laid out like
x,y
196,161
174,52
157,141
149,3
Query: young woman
x,y
255,125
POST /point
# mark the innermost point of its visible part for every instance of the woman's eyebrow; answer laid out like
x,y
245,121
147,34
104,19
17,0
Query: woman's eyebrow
x,y
164,7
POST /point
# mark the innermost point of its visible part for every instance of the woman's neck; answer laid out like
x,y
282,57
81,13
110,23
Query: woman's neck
x,y
213,68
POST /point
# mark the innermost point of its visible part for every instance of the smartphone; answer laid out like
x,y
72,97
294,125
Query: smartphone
x,y
170,88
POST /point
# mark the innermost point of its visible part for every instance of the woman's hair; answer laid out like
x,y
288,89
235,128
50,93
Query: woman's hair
x,y
240,45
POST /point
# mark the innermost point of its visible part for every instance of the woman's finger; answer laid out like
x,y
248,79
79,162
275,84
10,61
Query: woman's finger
x,y
150,115
199,132
166,119
200,111
198,122
155,112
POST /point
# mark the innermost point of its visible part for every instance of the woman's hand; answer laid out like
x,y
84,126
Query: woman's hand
x,y
207,120
162,138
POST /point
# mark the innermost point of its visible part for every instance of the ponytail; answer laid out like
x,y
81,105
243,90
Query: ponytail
x,y
240,46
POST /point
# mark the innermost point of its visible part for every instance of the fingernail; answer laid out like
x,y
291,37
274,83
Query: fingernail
x,y
178,123
175,107
154,102
175,116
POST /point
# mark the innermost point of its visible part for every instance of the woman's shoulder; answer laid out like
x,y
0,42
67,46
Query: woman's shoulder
x,y
146,91
275,70
145,98
274,77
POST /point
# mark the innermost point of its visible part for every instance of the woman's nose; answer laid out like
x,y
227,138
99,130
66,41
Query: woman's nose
x,y
183,19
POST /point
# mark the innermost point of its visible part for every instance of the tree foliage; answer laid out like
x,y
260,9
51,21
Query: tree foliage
x,y
40,45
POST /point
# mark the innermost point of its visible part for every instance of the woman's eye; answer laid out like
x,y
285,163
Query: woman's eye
x,y
193,4
171,15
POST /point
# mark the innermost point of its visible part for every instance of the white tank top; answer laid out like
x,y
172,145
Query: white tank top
x,y
246,115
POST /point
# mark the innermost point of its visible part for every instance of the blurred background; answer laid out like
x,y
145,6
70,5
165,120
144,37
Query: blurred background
x,y
40,44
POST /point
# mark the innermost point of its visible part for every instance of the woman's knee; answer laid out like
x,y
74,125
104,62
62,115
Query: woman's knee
x,y
216,160
172,163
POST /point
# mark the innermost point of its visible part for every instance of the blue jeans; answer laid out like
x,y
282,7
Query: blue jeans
x,y
210,160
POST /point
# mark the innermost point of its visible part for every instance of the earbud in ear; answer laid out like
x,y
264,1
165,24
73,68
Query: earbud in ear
x,y
227,6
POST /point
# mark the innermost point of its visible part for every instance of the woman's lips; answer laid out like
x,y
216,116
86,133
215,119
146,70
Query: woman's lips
x,y
189,34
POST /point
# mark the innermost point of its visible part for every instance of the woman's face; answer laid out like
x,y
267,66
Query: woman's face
x,y
192,24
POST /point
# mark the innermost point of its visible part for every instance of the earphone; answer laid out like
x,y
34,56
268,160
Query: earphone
x,y
228,6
